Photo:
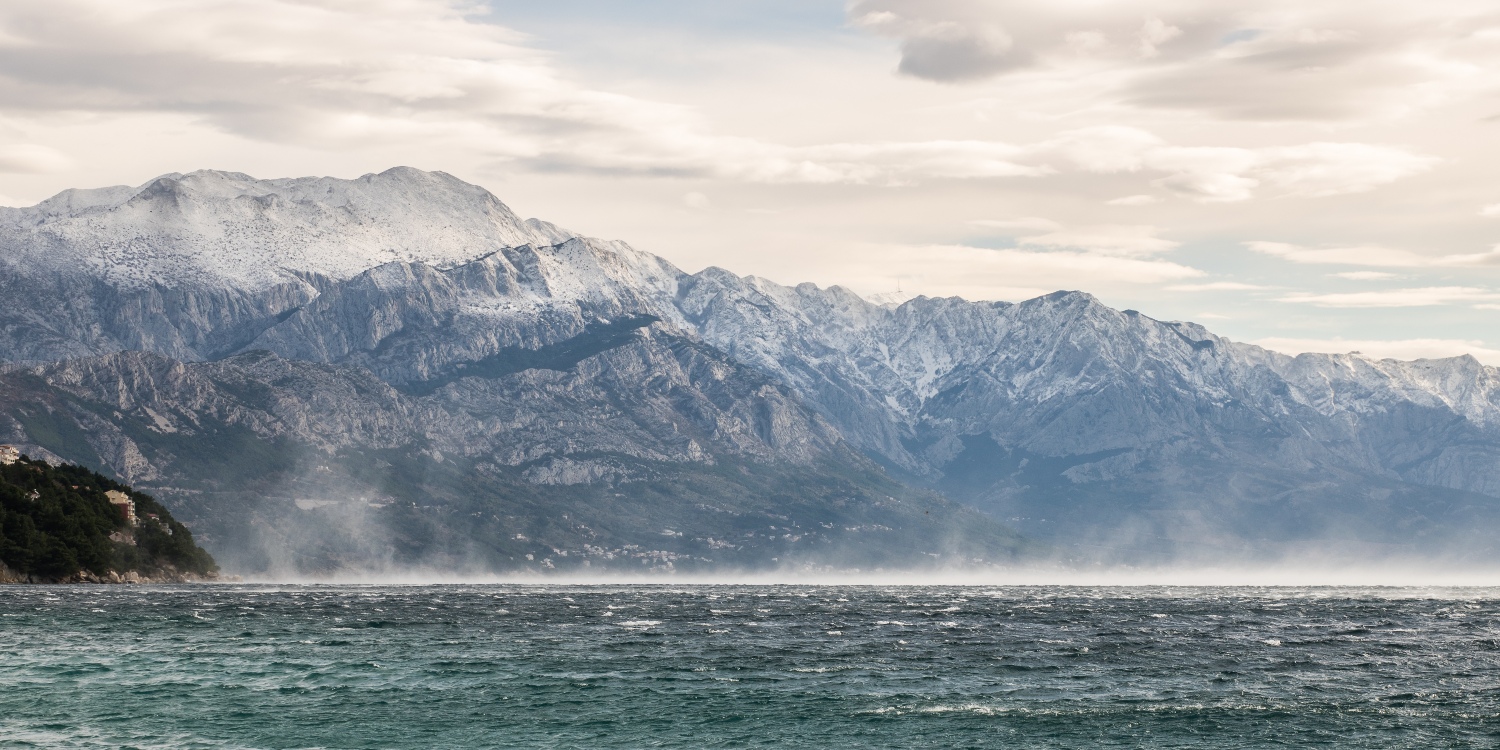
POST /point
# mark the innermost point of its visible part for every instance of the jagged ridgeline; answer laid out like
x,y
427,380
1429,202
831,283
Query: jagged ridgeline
x,y
67,523
320,374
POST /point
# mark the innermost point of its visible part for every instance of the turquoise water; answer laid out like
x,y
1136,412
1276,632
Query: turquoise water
x,y
241,666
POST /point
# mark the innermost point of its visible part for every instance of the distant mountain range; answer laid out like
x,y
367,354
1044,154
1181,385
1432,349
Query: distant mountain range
x,y
397,370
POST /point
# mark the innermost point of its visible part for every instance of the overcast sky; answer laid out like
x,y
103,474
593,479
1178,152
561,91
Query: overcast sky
x,y
1312,176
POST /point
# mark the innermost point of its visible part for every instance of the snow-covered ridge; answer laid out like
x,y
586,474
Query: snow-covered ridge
x,y
210,227
1064,374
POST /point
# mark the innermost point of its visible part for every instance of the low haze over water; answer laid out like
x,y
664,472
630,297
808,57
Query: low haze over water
x,y
248,666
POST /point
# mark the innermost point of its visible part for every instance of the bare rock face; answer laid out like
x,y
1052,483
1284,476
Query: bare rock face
x,y
408,314
286,465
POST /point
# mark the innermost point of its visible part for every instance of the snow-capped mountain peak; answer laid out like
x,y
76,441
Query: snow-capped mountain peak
x,y
212,227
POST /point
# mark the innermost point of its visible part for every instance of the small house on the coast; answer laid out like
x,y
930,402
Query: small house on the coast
x,y
124,504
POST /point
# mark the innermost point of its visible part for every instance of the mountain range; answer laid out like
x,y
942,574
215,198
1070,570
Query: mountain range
x,y
397,370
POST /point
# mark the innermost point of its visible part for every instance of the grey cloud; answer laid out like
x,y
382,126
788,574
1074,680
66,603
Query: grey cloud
x,y
965,40
1229,96
956,52
1331,80
1278,60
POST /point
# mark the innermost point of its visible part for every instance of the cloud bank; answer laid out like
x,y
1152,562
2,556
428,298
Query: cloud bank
x,y
1276,60
333,74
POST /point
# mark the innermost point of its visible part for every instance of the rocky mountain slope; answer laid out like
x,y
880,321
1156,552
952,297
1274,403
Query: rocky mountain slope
x,y
573,362
1074,420
659,453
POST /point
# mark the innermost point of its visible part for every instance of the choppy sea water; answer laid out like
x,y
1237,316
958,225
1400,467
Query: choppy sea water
x,y
241,666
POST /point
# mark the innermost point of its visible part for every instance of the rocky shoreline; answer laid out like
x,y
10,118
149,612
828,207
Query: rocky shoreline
x,y
8,576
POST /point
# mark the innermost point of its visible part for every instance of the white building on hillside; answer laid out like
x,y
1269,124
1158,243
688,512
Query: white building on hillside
x,y
123,502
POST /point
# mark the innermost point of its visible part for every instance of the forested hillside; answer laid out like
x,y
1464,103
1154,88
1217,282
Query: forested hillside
x,y
57,524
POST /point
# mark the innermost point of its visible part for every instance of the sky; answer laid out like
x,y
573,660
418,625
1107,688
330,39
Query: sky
x,y
1307,176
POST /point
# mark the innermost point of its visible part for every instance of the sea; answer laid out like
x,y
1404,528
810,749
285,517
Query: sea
x,y
551,665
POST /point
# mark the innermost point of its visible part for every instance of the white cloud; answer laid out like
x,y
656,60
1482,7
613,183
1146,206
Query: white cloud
x,y
1104,240
1216,286
1366,255
1325,169
1041,272
1416,297
1071,269
1133,200
696,201
1205,173
1365,275
1007,274
1209,174
878,163
1488,258
1491,210
1103,149
1224,174
1154,32
31,158
1090,257
1031,223
1403,349
1373,255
